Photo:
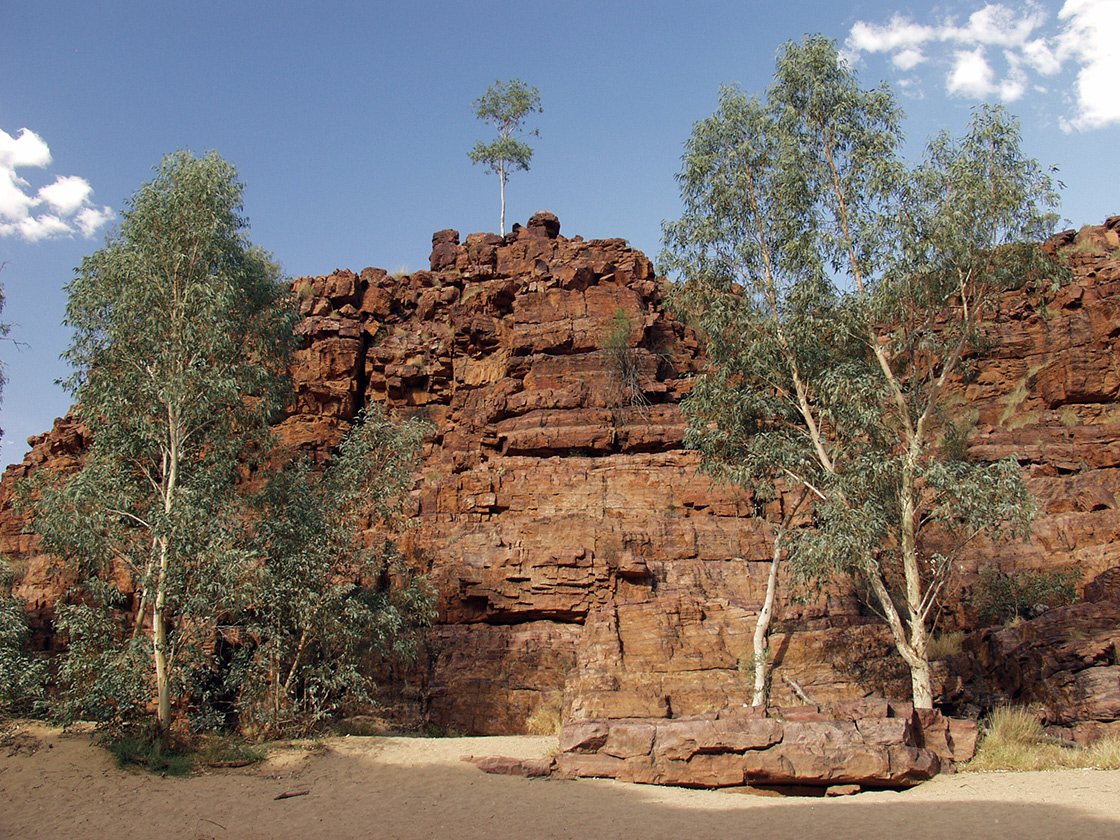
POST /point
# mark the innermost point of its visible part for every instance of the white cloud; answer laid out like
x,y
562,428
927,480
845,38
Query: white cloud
x,y
900,33
90,219
61,208
971,75
1084,40
908,58
1092,37
14,202
26,150
1040,55
67,195
997,25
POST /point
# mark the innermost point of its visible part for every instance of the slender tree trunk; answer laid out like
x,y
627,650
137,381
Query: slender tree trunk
x,y
160,649
762,628
912,650
915,600
159,644
921,681
502,182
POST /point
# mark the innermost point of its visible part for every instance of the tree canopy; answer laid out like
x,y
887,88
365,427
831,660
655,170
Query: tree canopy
x,y
181,335
505,105
841,292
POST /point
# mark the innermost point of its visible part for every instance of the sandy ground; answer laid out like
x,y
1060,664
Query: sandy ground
x,y
55,785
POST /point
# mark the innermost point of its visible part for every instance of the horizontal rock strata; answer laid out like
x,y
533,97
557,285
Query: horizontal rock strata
x,y
870,743
584,566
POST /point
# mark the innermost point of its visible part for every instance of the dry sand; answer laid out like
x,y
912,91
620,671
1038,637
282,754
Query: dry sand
x,y
382,787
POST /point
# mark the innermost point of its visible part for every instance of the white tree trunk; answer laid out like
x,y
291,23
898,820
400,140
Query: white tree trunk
x,y
159,644
921,683
160,649
502,181
762,629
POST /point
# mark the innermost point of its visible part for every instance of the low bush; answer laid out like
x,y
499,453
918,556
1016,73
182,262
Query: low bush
x,y
1001,597
179,756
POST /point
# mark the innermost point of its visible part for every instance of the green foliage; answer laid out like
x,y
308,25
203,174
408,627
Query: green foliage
x,y
840,292
106,675
270,614
22,675
332,596
505,105
181,334
1000,597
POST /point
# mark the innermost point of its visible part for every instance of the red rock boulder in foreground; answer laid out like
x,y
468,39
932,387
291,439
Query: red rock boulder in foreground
x,y
869,743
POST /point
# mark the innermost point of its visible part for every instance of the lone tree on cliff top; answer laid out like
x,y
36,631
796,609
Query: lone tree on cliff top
x,y
841,292
505,105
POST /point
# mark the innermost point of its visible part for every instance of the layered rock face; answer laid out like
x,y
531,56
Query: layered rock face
x,y
867,742
581,559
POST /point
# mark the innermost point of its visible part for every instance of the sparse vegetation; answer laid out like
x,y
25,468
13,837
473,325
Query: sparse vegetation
x,y
179,756
1002,597
945,644
1015,740
546,718
626,378
505,105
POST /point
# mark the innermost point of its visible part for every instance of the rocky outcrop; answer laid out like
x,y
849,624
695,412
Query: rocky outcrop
x,y
1065,664
869,743
581,559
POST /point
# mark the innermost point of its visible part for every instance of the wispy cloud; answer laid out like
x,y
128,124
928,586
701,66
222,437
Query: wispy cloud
x,y
61,208
993,53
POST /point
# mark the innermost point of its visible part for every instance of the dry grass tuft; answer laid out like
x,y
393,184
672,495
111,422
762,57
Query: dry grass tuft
x,y
945,644
545,719
1015,740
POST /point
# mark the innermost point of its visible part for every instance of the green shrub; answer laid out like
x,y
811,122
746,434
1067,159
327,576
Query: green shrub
x,y
622,359
1001,597
22,676
178,756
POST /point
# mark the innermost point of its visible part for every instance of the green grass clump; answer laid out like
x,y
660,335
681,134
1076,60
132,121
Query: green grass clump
x,y
1015,740
178,757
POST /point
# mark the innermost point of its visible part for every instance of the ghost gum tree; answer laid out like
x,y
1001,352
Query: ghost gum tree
x,y
841,293
753,282
505,105
181,335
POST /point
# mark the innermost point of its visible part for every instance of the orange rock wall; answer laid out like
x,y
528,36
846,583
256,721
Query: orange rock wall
x,y
580,557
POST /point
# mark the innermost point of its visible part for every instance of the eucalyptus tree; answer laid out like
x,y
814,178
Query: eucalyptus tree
x,y
895,268
505,105
181,339
752,282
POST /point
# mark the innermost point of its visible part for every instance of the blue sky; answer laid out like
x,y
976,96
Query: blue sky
x,y
350,123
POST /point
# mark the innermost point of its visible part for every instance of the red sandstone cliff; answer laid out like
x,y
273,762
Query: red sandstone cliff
x,y
578,554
